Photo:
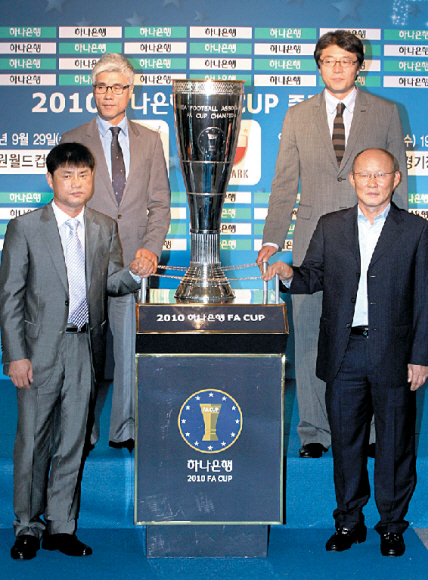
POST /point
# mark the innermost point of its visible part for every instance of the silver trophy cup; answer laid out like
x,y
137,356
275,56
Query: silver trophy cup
x,y
207,120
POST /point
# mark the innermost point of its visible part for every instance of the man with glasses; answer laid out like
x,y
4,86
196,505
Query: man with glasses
x,y
131,186
319,139
370,261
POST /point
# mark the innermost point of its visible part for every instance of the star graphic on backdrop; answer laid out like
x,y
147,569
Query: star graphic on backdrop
x,y
211,394
55,5
223,443
183,420
196,443
347,8
232,434
187,434
200,16
174,2
198,398
84,22
233,408
136,20
210,448
187,407
224,398
413,9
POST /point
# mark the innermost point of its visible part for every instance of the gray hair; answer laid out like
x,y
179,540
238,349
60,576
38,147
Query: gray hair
x,y
113,62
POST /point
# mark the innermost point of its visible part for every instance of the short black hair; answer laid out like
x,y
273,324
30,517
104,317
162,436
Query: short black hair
x,y
74,154
390,155
344,40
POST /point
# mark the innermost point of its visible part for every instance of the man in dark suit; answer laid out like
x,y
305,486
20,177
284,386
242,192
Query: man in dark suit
x,y
306,152
371,262
140,202
58,265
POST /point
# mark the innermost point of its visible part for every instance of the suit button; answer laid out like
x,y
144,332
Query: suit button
x,y
353,300
348,325
66,303
339,179
119,217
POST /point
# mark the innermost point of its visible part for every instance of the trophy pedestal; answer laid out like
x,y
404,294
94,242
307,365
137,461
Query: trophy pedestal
x,y
209,426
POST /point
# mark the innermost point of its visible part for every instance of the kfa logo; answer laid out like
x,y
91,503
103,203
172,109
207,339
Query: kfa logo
x,y
210,421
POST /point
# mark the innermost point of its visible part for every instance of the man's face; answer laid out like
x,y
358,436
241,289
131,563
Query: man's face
x,y
338,80
112,107
72,187
374,194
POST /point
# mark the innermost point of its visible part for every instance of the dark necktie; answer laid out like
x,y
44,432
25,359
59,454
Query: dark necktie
x,y
118,174
339,133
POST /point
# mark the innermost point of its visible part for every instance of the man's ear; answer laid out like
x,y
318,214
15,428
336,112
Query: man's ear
x,y
49,180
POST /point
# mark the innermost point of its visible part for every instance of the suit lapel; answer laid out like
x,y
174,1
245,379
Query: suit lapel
x,y
50,235
135,148
95,145
349,228
92,232
321,123
358,122
392,229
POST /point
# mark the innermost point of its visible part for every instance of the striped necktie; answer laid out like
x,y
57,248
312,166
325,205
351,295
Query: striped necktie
x,y
338,136
118,173
78,308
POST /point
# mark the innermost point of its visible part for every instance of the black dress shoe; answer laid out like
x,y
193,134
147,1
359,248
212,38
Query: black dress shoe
x,y
67,544
392,544
371,450
312,451
129,444
343,538
25,547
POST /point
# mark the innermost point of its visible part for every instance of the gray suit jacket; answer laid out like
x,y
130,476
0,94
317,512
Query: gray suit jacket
x,y
143,215
306,151
34,288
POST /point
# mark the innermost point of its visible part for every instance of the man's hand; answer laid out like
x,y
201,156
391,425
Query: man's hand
x,y
284,270
264,254
416,376
21,373
148,263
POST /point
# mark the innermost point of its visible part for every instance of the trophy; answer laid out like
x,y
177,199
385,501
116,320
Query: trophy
x,y
207,118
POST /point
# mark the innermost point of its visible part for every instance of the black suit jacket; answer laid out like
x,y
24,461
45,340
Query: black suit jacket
x,y
397,292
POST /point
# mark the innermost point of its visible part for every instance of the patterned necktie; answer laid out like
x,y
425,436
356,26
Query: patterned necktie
x,y
118,174
338,136
78,308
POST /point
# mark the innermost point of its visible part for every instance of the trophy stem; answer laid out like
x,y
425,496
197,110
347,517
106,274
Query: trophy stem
x,y
205,280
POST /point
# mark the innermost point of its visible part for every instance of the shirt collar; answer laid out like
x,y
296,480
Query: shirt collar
x,y
104,126
381,216
348,101
61,217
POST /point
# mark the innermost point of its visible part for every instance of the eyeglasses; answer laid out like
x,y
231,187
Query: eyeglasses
x,y
344,62
115,89
378,176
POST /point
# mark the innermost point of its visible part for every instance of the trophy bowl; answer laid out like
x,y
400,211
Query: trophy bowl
x,y
207,116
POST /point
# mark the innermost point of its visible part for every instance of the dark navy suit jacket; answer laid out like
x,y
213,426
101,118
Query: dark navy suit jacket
x,y
397,292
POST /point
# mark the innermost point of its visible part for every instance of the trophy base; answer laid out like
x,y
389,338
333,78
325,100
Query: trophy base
x,y
205,283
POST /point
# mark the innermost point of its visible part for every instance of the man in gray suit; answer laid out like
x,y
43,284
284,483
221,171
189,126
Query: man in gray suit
x,y
141,207
307,153
58,265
